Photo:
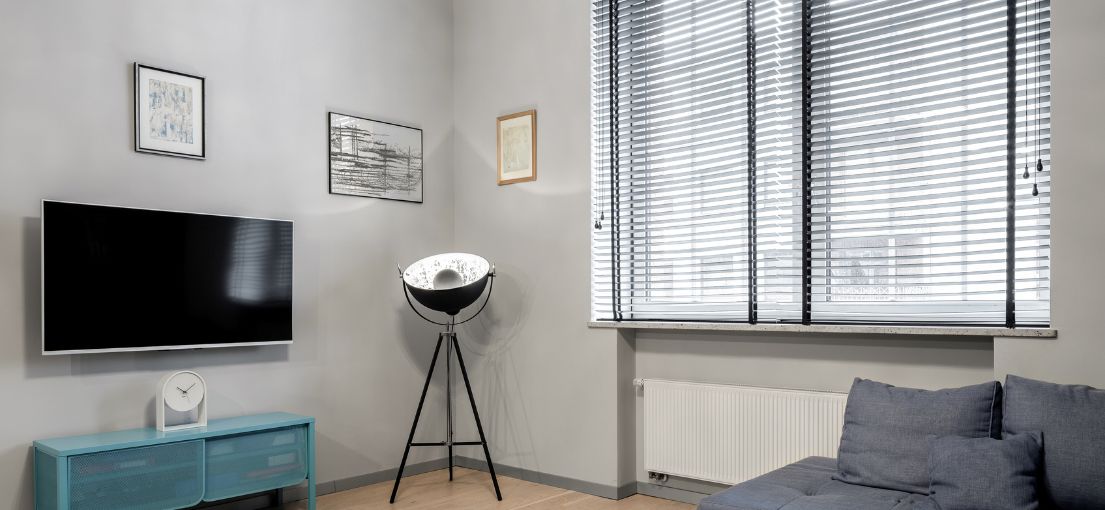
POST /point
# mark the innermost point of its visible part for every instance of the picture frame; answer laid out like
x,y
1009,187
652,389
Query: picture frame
x,y
373,158
170,113
516,147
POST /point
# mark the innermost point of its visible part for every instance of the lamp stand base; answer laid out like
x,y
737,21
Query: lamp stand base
x,y
450,338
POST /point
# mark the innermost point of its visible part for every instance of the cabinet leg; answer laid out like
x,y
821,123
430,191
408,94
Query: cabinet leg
x,y
63,483
312,480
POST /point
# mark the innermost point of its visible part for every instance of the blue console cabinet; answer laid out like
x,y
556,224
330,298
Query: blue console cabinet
x,y
145,469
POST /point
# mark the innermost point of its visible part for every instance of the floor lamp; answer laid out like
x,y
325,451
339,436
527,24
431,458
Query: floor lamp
x,y
448,283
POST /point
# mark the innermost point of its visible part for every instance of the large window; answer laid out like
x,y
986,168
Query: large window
x,y
822,161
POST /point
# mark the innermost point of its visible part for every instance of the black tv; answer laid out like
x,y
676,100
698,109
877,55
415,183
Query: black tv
x,y
126,279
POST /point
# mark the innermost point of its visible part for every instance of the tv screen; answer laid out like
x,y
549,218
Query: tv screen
x,y
116,278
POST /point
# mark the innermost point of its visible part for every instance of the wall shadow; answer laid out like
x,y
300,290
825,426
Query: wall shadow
x,y
418,337
488,341
26,456
34,363
497,328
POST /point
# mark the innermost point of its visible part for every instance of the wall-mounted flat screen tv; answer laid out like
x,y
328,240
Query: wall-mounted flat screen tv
x,y
126,279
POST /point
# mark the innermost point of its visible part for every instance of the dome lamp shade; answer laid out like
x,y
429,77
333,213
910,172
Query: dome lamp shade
x,y
448,282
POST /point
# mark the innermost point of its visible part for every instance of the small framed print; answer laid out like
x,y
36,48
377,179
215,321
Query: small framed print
x,y
169,112
517,147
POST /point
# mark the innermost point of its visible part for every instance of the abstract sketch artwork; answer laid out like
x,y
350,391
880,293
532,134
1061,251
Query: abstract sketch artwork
x,y
516,149
170,111
370,158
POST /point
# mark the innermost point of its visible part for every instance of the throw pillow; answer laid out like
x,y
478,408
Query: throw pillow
x,y
985,474
887,430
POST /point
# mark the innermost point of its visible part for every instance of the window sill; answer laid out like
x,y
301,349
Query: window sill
x,y
846,329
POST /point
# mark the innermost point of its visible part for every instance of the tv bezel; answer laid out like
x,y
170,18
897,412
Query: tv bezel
x,y
42,286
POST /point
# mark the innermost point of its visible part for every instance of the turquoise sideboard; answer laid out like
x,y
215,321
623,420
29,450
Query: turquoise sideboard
x,y
146,469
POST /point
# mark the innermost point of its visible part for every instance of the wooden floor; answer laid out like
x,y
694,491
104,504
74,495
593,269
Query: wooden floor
x,y
472,489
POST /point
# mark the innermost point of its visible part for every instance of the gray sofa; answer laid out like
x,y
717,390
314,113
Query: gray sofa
x,y
1030,445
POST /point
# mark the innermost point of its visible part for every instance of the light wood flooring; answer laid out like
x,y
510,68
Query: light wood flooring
x,y
472,490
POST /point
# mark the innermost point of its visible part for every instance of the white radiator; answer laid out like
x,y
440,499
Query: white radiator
x,y
729,434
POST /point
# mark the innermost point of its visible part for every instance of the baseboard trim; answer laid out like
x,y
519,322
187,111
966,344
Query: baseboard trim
x,y
563,482
300,493
672,493
688,485
627,490
596,489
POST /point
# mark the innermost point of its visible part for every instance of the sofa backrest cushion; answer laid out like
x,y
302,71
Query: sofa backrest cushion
x,y
1071,421
887,430
984,473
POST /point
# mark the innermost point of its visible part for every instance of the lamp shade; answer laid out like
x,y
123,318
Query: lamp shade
x,y
448,282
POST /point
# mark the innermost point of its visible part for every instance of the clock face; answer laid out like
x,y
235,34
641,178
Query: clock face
x,y
184,391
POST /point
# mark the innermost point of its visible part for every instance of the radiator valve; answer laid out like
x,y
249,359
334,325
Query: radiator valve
x,y
659,477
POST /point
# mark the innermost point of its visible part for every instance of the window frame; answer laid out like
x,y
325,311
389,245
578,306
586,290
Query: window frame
x,y
671,316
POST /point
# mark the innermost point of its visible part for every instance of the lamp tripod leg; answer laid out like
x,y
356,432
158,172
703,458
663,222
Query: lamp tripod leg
x,y
449,404
476,415
417,414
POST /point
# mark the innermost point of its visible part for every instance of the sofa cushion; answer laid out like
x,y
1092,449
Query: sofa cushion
x,y
887,430
984,473
1071,421
808,485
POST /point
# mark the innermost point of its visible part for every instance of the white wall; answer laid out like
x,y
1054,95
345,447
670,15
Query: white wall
x,y
821,362
547,382
1078,182
274,69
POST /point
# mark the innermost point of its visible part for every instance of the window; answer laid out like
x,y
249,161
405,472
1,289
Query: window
x,y
822,161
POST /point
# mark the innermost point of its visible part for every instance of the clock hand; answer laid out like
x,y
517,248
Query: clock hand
x,y
182,391
190,387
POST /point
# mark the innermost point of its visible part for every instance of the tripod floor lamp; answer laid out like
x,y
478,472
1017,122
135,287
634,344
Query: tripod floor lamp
x,y
448,283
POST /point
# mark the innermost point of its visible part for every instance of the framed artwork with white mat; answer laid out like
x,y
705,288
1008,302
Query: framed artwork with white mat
x,y
169,110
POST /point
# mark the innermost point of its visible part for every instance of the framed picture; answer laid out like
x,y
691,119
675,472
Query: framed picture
x,y
169,113
370,158
517,147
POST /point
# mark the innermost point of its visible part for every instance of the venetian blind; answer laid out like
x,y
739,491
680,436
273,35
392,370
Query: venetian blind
x,y
821,161
671,111
910,174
